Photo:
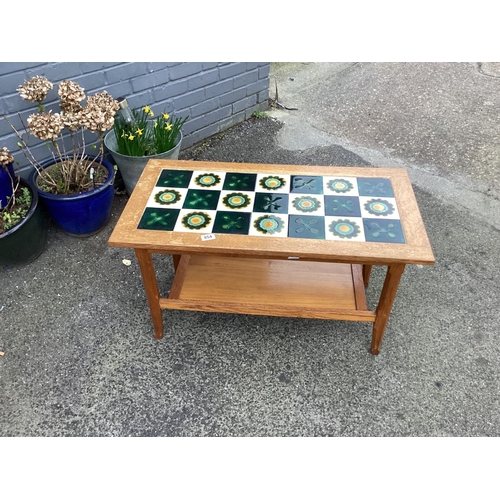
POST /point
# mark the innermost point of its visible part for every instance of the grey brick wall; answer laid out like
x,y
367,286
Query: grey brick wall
x,y
214,95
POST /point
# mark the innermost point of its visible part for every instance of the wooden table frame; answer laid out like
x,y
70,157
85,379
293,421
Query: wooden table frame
x,y
275,271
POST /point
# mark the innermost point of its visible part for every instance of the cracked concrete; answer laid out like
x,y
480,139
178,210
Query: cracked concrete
x,y
468,189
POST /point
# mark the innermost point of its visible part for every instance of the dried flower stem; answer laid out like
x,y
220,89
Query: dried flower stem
x,y
96,116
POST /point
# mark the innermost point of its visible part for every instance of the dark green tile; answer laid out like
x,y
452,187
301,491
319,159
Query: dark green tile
x,y
240,182
232,222
271,203
203,200
162,219
174,178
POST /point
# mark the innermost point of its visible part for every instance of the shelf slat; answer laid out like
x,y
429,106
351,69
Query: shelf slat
x,y
269,287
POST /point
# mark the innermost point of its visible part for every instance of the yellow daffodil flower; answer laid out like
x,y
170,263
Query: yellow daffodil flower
x,y
168,127
131,137
139,131
147,109
166,116
124,134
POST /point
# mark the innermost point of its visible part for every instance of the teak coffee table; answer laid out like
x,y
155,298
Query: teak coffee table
x,y
277,240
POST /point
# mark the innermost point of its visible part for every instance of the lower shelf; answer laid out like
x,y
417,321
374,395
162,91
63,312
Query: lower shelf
x,y
269,287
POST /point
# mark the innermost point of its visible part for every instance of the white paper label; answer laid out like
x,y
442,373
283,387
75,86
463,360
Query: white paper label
x,y
206,237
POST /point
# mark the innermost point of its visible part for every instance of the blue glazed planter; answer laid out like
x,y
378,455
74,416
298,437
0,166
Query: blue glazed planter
x,y
6,176
83,214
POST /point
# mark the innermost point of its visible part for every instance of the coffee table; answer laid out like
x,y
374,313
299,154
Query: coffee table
x,y
276,240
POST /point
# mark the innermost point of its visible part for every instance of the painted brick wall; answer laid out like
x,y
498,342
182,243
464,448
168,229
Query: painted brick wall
x,y
215,96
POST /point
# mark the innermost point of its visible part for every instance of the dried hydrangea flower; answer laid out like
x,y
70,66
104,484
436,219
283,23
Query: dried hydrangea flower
x,y
70,94
35,89
98,115
45,126
72,117
5,157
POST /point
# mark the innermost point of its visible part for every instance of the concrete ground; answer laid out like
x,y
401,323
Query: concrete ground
x,y
80,358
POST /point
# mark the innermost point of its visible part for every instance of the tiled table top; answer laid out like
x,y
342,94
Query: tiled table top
x,y
321,207
322,213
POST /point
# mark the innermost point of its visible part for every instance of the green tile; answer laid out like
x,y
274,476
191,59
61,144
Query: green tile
x,y
232,222
162,219
271,203
174,178
240,182
203,200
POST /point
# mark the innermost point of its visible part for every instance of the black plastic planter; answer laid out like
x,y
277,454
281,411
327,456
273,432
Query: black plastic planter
x,y
25,242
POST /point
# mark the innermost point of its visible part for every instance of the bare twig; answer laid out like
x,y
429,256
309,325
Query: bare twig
x,y
275,101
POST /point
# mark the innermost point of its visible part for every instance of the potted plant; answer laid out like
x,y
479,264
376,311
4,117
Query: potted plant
x,y
23,232
136,138
75,187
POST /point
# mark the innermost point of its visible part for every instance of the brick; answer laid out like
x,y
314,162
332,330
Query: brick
x,y
208,65
233,96
255,88
263,96
90,67
119,89
244,103
246,79
232,120
264,71
141,99
218,88
204,107
217,115
9,83
205,132
204,120
142,83
231,70
161,76
170,89
125,72
184,69
204,79
156,66
190,99
194,124
92,81
14,67
56,72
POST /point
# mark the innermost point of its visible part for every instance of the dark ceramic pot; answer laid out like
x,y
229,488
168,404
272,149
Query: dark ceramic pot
x,y
83,214
6,176
25,242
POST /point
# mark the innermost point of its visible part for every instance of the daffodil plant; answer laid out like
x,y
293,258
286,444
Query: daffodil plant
x,y
146,135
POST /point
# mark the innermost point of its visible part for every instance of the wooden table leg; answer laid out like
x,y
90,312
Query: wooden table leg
x,y
151,288
176,259
386,301
366,273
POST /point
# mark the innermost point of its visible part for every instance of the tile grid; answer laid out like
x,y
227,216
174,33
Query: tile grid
x,y
295,206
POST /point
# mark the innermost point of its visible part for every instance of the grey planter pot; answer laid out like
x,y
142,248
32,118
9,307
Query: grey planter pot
x,y
131,167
